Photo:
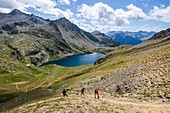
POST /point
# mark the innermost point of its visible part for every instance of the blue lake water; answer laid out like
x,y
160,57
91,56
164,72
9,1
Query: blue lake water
x,y
76,60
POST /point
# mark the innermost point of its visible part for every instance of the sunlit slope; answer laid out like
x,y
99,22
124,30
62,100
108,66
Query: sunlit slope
x,y
141,72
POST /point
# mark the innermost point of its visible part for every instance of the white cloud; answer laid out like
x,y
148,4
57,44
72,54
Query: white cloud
x,y
96,11
105,14
64,2
4,10
67,2
7,5
102,16
44,6
133,13
162,5
162,14
86,26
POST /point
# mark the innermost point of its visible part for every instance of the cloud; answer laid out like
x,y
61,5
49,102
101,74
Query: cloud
x,y
135,13
44,6
64,2
105,14
162,5
101,12
5,10
67,2
162,14
7,5
96,11
102,16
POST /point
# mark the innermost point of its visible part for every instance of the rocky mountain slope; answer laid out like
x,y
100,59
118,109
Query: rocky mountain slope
x,y
105,40
162,34
131,38
145,71
37,40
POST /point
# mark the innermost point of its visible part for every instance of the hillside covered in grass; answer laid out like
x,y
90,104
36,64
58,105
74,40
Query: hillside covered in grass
x,y
129,78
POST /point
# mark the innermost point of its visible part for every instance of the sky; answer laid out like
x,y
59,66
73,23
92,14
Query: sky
x,y
101,15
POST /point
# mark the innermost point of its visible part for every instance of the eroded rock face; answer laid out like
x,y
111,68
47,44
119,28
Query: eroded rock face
x,y
10,29
161,34
38,58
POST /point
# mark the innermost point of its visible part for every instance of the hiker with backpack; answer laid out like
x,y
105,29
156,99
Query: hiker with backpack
x,y
96,95
64,92
82,91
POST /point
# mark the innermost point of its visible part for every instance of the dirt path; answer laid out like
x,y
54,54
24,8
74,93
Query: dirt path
x,y
88,104
146,104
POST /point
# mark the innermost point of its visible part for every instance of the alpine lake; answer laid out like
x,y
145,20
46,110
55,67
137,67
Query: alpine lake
x,y
76,60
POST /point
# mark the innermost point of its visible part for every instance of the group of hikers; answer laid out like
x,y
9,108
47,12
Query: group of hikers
x,y
96,92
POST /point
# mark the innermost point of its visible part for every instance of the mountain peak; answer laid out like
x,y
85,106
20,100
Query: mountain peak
x,y
63,19
16,11
96,32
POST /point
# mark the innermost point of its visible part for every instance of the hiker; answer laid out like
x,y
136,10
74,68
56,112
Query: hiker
x,y
118,89
64,92
96,93
82,91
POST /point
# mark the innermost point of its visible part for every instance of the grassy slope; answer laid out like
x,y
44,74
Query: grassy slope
x,y
118,62
106,75
45,77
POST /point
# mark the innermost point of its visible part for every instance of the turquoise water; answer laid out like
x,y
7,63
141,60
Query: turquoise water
x,y
76,60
